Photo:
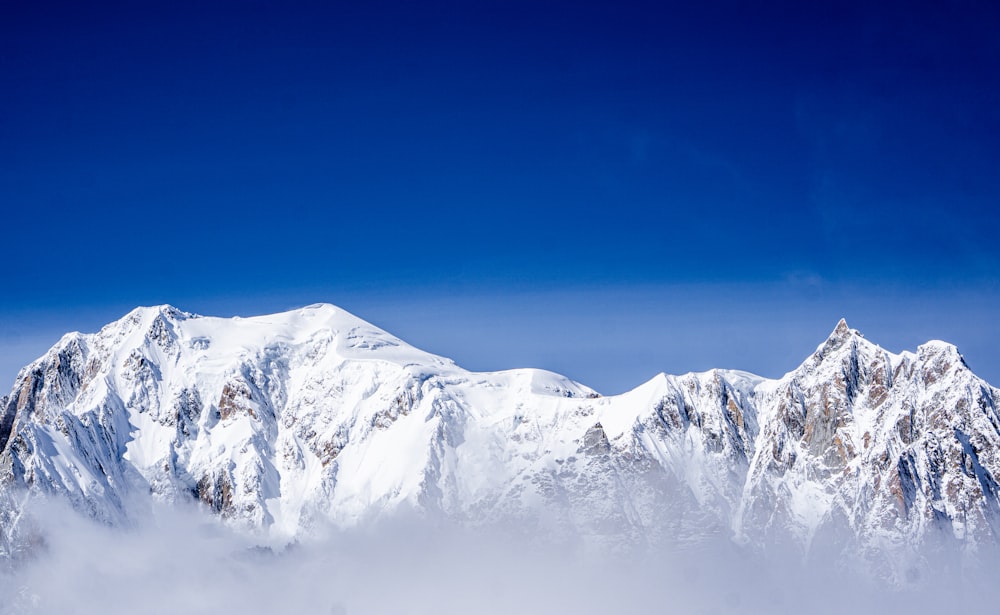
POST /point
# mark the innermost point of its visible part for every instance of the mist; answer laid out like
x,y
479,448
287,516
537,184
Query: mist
x,y
180,559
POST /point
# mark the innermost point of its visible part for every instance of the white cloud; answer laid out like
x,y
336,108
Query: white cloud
x,y
181,561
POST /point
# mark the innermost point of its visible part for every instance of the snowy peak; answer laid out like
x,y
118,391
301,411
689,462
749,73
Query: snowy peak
x,y
941,356
322,327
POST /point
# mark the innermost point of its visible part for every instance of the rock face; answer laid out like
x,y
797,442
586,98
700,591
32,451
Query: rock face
x,y
281,422
888,445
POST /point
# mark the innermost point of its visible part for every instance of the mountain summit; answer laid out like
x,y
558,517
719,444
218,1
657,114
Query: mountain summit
x,y
282,422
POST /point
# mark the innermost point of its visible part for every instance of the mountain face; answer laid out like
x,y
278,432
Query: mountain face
x,y
280,423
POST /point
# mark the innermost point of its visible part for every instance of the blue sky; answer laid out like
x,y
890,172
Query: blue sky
x,y
606,190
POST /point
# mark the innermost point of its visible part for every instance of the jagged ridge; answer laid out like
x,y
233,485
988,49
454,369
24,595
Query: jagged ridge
x,y
281,422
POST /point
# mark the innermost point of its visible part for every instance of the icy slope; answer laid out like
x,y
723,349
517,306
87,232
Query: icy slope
x,y
285,421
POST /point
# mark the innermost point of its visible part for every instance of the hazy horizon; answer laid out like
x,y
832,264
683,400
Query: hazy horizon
x,y
612,339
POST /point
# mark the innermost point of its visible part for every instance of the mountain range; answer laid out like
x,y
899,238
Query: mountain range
x,y
288,422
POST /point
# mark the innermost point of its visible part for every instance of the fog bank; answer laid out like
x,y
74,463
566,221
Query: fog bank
x,y
182,560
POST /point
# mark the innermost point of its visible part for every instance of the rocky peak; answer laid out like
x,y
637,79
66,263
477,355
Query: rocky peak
x,y
842,336
936,350
938,359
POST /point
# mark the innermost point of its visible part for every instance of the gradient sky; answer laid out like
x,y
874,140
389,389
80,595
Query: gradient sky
x,y
608,190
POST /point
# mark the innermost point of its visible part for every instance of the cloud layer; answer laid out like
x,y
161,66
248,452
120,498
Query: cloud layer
x,y
179,560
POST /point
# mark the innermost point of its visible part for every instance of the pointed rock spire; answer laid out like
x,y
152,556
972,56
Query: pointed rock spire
x,y
840,335
841,329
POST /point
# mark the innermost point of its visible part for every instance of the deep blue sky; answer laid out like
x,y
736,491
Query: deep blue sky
x,y
602,189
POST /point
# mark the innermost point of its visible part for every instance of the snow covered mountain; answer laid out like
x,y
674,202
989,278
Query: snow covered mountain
x,y
283,422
